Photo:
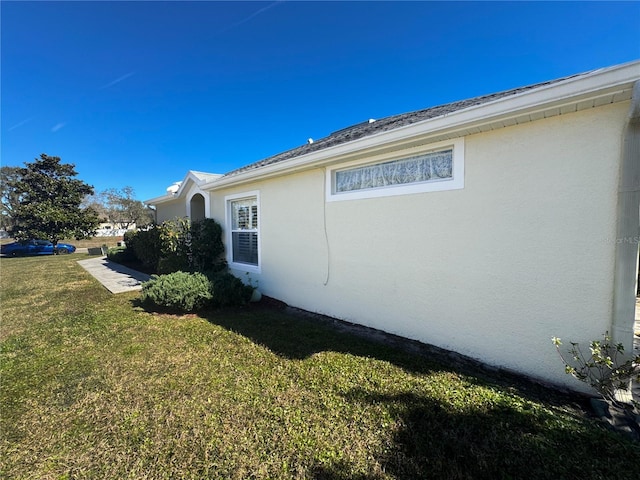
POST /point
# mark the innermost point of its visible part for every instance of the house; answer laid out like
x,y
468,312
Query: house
x,y
113,229
485,226
174,203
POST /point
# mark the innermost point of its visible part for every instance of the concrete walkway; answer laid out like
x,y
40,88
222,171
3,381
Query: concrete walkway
x,y
115,277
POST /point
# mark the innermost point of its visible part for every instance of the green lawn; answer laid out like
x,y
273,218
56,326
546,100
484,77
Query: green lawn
x,y
94,387
87,242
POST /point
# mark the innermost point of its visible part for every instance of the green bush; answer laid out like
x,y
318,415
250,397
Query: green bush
x,y
121,255
171,264
206,247
228,290
178,291
179,245
607,369
129,236
189,291
146,245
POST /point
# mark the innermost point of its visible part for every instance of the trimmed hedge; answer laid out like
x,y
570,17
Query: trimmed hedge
x,y
146,246
179,245
121,255
178,291
179,251
193,291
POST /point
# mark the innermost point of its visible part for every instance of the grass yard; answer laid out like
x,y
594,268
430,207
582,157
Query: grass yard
x,y
84,243
94,242
93,387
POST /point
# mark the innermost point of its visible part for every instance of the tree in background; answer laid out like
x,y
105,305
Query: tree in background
x,y
123,209
8,198
120,208
49,202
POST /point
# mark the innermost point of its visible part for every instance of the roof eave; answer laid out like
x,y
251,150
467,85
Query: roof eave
x,y
599,83
161,199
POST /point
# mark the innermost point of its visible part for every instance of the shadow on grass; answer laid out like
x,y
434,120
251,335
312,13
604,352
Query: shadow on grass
x,y
293,334
503,438
297,335
501,442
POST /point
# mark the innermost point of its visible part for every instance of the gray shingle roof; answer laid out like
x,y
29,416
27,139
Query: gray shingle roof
x,y
366,128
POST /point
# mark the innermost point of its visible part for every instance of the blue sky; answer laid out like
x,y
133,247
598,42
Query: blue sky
x,y
137,93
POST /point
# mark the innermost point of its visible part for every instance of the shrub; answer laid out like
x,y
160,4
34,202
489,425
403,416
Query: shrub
x,y
179,245
171,264
121,255
206,247
179,291
229,290
606,369
146,245
128,236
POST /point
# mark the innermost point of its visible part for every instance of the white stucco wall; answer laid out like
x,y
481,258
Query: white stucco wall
x,y
182,204
169,210
523,253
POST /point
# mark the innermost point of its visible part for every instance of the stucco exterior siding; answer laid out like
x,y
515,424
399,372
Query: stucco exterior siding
x,y
524,252
171,210
491,258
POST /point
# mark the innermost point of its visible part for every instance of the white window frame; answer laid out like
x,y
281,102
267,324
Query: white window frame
x,y
229,199
456,182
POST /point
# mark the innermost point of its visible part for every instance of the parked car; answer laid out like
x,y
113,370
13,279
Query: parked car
x,y
35,247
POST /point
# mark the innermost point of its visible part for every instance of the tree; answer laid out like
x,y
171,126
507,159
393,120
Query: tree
x,y
9,199
49,202
120,208
123,209
97,202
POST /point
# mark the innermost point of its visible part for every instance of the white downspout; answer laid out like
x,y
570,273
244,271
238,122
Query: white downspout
x,y
628,229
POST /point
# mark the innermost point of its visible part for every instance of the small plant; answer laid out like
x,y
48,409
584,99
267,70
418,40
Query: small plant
x,y
180,291
605,369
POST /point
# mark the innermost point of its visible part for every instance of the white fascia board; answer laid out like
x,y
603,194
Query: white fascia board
x,y
161,199
590,85
198,178
203,176
190,176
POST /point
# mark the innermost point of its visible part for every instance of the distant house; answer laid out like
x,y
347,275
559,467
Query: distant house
x,y
484,226
113,229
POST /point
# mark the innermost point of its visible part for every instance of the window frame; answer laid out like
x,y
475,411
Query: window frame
x,y
454,183
229,199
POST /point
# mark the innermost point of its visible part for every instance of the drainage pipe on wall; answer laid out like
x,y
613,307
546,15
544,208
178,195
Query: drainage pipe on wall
x,y
628,229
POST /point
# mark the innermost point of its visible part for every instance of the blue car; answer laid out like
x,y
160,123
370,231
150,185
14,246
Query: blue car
x,y
35,247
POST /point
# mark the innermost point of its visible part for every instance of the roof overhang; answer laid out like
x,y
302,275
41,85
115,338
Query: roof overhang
x,y
593,89
191,178
162,199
